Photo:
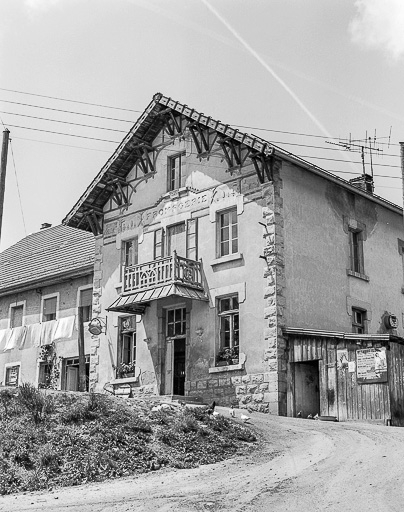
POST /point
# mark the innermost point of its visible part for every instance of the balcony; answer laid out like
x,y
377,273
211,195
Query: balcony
x,y
165,271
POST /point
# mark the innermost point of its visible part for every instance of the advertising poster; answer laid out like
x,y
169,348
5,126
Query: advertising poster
x,y
342,359
371,365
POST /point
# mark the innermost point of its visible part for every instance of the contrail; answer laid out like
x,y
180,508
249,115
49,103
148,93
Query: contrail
x,y
269,69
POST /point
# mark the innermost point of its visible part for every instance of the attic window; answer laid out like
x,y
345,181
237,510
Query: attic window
x,y
176,174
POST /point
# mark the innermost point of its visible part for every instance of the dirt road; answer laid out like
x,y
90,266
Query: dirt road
x,y
303,465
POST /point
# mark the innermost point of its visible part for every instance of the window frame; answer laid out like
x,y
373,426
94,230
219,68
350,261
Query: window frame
x,y
359,326
182,322
11,309
220,240
234,329
175,182
9,366
356,256
125,253
162,241
86,317
129,331
45,298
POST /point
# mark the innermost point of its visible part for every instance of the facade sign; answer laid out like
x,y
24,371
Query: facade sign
x,y
371,365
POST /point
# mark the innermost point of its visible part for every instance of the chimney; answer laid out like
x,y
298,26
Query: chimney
x,y
363,182
46,225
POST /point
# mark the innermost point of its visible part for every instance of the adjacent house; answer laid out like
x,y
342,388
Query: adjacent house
x,y
44,278
227,268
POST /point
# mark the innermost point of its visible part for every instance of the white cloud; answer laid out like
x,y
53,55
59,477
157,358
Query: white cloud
x,y
380,24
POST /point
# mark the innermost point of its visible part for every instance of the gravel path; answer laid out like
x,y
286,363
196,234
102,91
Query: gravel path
x,y
303,465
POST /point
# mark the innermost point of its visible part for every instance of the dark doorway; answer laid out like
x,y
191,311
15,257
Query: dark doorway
x,y
307,389
179,367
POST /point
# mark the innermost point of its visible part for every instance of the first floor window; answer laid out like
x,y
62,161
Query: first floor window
x,y
86,303
227,233
130,251
356,251
358,321
12,375
49,309
228,312
16,316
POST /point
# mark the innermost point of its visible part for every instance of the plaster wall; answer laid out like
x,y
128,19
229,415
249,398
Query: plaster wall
x,y
319,292
67,293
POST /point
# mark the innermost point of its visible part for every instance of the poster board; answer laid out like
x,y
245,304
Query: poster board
x,y
371,365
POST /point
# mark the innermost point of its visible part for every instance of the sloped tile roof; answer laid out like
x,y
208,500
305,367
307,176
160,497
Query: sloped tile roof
x,y
45,255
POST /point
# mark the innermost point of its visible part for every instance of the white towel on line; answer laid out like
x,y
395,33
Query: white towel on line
x,y
32,337
16,337
64,328
47,332
4,336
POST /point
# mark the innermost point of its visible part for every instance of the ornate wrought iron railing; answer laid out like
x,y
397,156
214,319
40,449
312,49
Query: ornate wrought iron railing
x,y
172,269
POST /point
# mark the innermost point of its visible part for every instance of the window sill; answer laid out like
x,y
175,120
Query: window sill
x,y
228,368
364,277
125,380
225,259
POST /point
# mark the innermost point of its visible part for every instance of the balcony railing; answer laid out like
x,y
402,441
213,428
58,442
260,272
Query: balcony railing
x,y
172,269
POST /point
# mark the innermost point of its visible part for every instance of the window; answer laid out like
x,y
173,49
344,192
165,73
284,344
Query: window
x,y
182,238
176,322
126,345
358,321
356,251
12,375
49,309
158,244
176,175
45,375
227,233
228,311
130,252
16,316
86,303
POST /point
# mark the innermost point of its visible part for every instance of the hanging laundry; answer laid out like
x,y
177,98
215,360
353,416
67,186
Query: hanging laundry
x,y
32,337
4,335
47,332
16,337
64,328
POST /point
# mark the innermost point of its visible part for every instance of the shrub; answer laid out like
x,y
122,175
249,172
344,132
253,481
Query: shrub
x,y
33,401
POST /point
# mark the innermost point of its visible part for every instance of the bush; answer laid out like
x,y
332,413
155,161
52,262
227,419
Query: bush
x,y
34,401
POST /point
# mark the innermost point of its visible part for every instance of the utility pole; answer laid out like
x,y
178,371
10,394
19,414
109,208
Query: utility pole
x,y
82,357
402,166
3,166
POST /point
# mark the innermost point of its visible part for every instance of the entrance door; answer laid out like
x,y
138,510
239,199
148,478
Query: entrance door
x,y
179,367
307,389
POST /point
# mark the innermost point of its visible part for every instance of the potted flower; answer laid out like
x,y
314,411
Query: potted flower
x,y
227,356
124,370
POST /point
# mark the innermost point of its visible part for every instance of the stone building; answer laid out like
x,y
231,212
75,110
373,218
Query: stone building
x,y
221,259
44,278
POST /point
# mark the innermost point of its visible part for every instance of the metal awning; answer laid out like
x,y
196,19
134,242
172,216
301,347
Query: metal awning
x,y
136,303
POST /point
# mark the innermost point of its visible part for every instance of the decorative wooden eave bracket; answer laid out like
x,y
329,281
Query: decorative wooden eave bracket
x,y
94,216
143,159
263,165
234,152
204,138
172,123
119,195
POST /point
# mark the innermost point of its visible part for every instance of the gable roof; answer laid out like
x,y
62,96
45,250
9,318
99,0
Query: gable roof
x,y
141,136
49,255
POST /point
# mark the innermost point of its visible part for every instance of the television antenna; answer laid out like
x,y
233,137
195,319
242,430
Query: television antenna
x,y
363,146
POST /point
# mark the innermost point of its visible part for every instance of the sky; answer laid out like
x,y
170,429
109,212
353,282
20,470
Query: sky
x,y
303,74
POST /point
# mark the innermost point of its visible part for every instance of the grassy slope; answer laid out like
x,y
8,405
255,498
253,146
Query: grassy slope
x,y
64,439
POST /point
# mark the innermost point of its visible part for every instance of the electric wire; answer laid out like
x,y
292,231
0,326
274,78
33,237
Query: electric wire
x,y
66,111
62,133
64,122
71,101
